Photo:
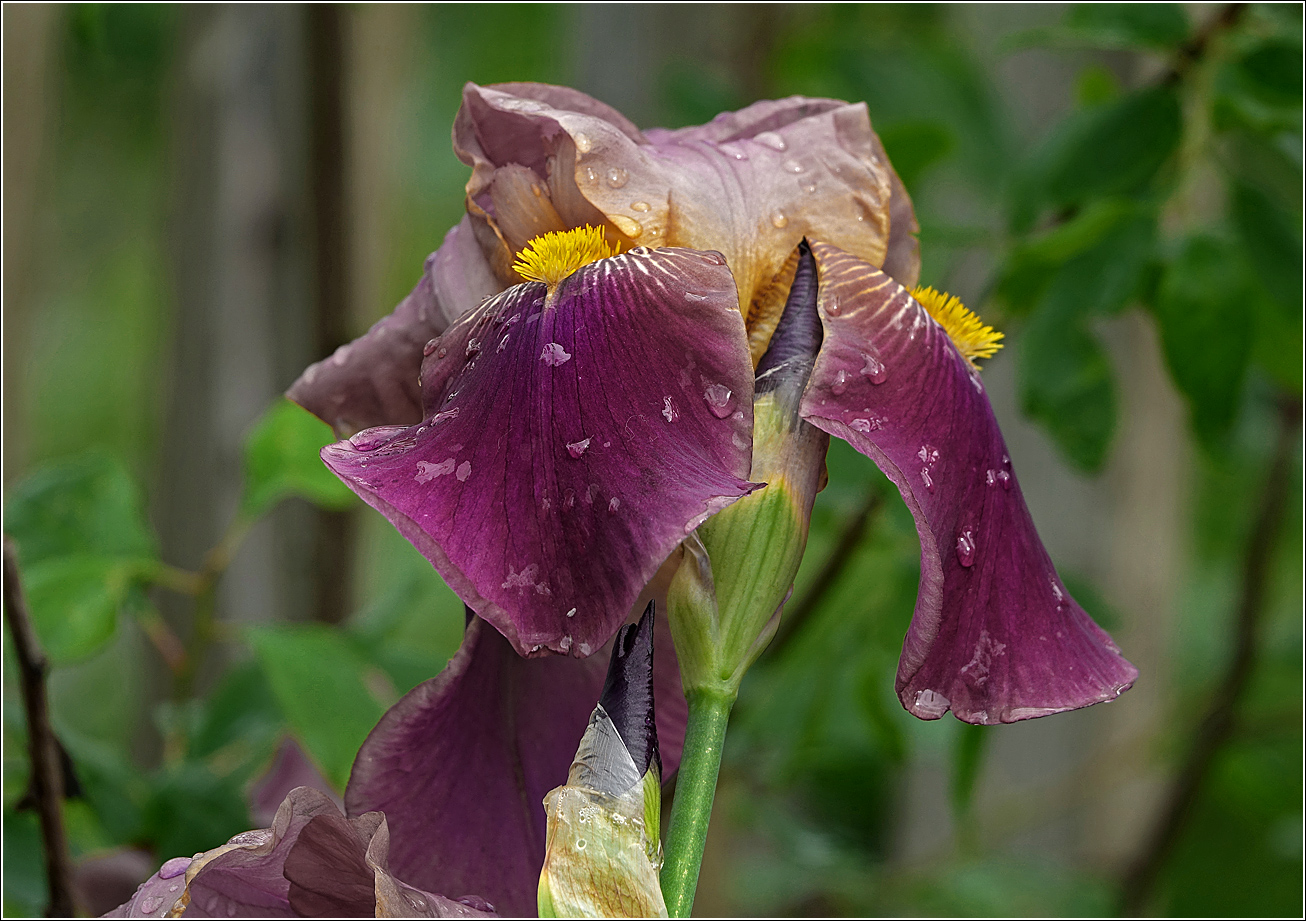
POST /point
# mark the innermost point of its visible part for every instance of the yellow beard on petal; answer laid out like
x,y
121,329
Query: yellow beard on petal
x,y
964,327
552,257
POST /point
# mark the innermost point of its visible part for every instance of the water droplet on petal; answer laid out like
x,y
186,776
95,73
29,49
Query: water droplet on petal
x,y
862,425
928,455
712,257
808,186
793,166
1005,479
441,352
669,410
554,354
564,644
840,382
614,504
582,142
430,346
473,347
174,867
629,226
580,844
639,206
577,448
772,140
932,703
590,174
990,478
464,471
966,547
571,613
778,219
925,478
617,177
734,150
718,399
874,370
503,343
151,904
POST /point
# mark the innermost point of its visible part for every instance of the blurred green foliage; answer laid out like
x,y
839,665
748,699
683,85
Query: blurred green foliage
x,y
1173,186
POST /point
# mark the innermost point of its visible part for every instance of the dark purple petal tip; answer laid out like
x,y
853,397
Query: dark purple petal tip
x,y
627,695
995,637
569,446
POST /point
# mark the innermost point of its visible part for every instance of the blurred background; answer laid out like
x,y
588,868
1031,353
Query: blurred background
x,y
201,200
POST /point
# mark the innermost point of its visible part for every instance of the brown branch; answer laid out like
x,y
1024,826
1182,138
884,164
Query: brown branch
x,y
1218,724
801,611
327,28
43,748
1195,49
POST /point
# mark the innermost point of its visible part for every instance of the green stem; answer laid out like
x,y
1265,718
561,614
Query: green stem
x,y
705,735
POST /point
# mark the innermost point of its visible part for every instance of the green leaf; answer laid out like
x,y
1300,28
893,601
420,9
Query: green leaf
x,y
86,504
1066,384
1161,26
191,809
1097,260
282,459
1206,312
1110,149
327,691
1272,243
74,602
915,146
1271,72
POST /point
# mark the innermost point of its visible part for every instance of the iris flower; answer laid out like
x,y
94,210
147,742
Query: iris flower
x,y
546,418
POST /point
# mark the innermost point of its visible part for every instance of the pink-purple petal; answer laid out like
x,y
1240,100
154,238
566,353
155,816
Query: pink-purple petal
x,y
374,379
750,184
995,636
462,763
567,449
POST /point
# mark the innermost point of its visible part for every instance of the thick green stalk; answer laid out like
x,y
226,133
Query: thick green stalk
x,y
705,735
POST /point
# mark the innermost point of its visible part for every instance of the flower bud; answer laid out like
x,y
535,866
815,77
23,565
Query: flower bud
x,y
602,851
739,567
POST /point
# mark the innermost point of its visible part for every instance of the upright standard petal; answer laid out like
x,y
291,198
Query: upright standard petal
x,y
374,379
570,444
462,763
750,184
995,636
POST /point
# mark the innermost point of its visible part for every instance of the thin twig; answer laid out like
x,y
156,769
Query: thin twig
x,y
800,612
1218,724
43,748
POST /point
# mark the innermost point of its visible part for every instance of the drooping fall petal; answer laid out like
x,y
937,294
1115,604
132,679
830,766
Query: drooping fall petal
x,y
995,636
373,380
462,763
569,446
750,184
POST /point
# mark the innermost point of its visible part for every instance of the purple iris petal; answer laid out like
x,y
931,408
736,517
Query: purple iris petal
x,y
311,861
462,763
995,636
750,183
373,380
338,867
568,448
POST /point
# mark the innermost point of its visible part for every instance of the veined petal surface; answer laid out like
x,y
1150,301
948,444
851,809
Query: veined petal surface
x,y
568,447
995,636
374,379
462,763
750,184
